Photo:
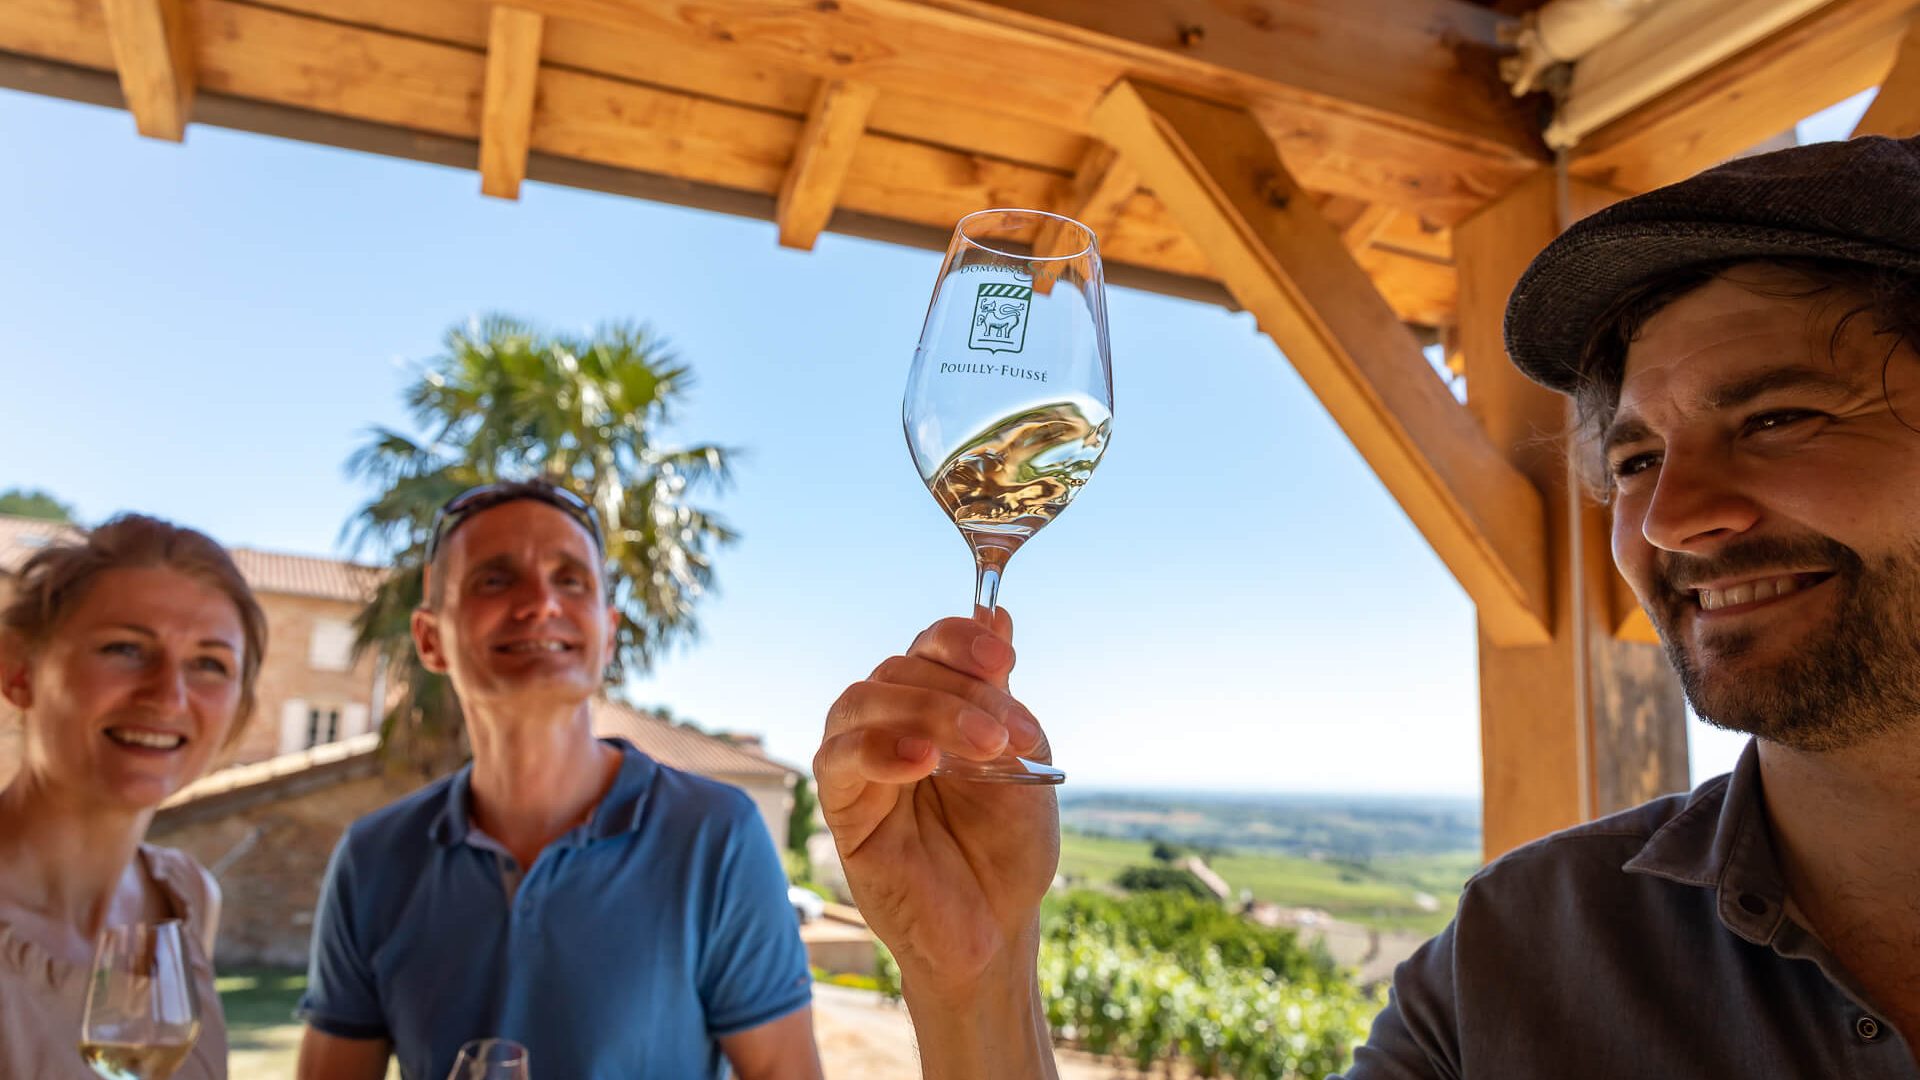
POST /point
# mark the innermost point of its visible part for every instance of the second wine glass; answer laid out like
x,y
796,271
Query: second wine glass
x,y
141,1018
1009,404
491,1059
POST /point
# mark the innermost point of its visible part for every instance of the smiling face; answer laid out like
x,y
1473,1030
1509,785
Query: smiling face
x,y
135,689
1767,509
523,616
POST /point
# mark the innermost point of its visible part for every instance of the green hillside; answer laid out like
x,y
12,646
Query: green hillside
x,y
1379,892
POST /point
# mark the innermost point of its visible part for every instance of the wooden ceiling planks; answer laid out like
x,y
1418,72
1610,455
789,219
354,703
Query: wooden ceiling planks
x,y
978,102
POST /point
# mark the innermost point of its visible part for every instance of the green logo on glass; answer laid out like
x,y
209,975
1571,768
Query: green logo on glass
x,y
1000,318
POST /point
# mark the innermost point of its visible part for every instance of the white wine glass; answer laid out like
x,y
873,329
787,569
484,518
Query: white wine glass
x,y
491,1059
1010,401
141,1017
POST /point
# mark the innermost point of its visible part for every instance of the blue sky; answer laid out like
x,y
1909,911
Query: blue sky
x,y
205,331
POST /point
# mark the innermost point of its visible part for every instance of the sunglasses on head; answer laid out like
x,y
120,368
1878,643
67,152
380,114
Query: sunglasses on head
x,y
487,496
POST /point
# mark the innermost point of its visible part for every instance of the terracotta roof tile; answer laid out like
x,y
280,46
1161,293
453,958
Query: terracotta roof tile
x,y
681,747
266,571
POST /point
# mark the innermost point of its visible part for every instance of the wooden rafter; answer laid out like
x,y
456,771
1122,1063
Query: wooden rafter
x,y
1367,227
154,56
976,106
1431,64
1439,144
1837,51
821,159
1221,178
1102,186
1895,110
506,111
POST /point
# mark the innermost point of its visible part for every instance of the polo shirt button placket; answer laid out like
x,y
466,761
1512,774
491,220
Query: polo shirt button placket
x,y
1867,1028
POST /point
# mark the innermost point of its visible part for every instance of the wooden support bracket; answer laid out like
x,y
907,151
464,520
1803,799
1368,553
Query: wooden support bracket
x,y
1102,185
1221,178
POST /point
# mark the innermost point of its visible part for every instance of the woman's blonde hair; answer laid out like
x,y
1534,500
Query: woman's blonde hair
x,y
57,576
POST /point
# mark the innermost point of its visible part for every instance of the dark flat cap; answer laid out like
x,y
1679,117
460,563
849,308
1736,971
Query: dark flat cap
x,y
1857,200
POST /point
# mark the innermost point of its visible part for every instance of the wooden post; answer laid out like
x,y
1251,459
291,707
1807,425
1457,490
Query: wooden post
x,y
1584,724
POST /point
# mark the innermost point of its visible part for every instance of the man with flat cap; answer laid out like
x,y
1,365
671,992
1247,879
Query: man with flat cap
x,y
1743,349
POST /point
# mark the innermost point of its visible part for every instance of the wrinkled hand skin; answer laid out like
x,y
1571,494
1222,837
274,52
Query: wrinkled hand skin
x,y
948,872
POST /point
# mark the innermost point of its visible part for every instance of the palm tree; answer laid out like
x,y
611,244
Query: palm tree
x,y
504,401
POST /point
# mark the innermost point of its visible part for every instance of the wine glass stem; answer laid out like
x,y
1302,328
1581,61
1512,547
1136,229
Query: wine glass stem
x,y
986,587
989,563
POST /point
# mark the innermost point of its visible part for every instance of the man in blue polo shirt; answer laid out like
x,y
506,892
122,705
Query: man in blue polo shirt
x,y
620,918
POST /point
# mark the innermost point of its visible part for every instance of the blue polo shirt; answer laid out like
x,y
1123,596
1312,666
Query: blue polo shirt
x,y
628,947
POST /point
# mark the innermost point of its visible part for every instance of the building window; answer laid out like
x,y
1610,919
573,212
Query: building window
x,y
323,726
331,647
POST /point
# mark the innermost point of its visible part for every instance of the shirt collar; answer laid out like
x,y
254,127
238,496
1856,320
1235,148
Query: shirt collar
x,y
620,811
1721,841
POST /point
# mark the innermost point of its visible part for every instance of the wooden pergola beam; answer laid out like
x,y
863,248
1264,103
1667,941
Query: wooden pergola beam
x,y
1895,111
1220,177
506,109
821,159
153,53
1826,57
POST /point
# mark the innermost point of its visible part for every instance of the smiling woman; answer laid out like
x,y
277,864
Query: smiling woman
x,y
132,655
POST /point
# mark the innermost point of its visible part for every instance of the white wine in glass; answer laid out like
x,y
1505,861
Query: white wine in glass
x,y
491,1059
141,1017
1009,404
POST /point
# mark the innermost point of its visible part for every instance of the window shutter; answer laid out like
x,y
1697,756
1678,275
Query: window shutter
x,y
293,726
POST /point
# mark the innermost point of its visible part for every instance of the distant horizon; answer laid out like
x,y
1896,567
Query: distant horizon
x,y
1069,791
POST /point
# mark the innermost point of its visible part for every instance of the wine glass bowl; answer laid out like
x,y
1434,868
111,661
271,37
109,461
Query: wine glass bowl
x,y
141,1018
1009,403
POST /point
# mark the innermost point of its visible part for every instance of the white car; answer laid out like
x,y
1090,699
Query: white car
x,y
806,903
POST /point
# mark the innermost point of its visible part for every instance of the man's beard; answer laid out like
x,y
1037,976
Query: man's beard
x,y
1852,679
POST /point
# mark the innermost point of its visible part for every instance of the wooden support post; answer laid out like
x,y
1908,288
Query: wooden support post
x,y
821,159
154,54
1583,724
1219,176
506,109
1102,185
1895,111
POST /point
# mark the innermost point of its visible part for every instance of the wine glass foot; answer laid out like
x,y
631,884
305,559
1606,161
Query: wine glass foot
x,y
1001,770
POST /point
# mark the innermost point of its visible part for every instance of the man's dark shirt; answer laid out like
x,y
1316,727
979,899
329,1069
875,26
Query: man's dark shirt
x,y
1653,943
